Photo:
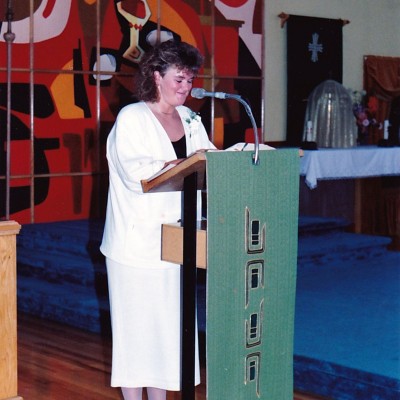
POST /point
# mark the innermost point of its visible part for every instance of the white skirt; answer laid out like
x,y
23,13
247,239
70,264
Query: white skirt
x,y
146,326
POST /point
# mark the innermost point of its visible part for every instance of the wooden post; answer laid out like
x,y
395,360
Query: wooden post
x,y
357,206
8,311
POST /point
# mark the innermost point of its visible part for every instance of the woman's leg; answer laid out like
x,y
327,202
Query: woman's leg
x,y
132,393
156,394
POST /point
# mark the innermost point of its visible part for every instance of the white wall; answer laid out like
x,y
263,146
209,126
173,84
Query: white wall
x,y
374,29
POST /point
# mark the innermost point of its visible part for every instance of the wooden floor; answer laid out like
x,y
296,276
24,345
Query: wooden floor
x,y
57,362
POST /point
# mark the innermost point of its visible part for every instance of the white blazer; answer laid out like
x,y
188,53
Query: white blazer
x,y
137,148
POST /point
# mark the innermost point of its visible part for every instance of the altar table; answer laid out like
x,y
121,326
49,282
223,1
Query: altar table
x,y
350,163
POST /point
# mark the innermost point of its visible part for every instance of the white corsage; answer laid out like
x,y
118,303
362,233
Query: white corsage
x,y
194,122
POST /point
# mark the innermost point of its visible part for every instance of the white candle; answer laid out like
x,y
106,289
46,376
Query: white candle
x,y
309,131
386,130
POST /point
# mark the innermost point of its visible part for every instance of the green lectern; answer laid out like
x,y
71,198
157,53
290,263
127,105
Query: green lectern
x,y
251,259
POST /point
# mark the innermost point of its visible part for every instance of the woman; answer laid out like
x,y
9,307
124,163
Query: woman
x,y
144,290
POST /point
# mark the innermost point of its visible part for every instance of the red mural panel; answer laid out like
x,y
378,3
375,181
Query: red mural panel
x,y
66,92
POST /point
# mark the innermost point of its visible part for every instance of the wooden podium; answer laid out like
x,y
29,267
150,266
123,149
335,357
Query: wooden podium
x,y
250,252
8,311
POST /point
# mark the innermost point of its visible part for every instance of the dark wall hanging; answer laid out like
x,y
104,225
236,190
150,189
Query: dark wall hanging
x,y
314,54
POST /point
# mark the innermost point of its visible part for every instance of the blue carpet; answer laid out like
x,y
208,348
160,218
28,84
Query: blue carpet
x,y
347,327
347,324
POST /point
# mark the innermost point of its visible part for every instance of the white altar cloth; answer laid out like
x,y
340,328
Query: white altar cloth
x,y
349,163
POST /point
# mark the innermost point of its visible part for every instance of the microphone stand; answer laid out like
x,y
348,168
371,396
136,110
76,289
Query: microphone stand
x,y
199,93
256,160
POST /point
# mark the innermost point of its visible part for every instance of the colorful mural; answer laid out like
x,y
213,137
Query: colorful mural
x,y
72,68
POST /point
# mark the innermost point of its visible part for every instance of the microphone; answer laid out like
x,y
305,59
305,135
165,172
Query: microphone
x,y
199,93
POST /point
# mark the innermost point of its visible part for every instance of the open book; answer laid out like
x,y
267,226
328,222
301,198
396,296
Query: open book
x,y
248,147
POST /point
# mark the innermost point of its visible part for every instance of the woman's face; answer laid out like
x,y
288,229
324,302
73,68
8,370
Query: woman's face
x,y
174,86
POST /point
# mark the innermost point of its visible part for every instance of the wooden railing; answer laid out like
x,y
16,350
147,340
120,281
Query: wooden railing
x,y
8,311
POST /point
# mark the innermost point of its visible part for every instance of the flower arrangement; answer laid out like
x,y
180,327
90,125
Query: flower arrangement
x,y
194,122
365,109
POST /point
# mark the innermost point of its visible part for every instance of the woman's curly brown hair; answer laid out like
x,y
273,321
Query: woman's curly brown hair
x,y
172,53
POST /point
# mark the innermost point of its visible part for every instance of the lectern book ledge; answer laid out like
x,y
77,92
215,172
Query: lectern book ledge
x,y
172,244
171,179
